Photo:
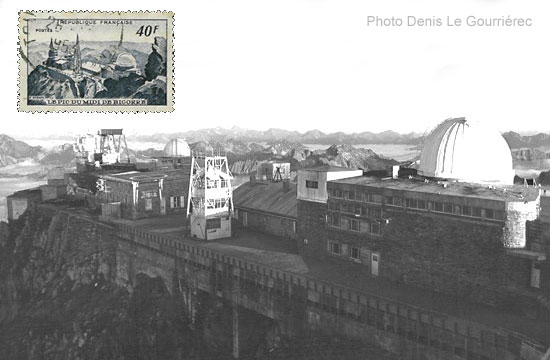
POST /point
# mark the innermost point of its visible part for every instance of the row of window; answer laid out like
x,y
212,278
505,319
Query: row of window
x,y
448,208
443,207
216,203
371,212
355,196
176,202
215,184
336,249
356,225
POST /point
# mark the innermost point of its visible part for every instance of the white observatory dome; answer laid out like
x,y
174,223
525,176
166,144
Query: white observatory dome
x,y
466,151
125,61
177,147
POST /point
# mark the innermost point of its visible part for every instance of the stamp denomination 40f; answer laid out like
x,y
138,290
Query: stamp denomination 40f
x,y
96,61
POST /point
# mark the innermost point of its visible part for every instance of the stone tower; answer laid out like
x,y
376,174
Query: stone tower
x,y
52,54
77,59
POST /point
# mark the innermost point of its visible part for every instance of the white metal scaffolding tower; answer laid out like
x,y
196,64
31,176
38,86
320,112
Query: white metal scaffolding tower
x,y
106,147
210,201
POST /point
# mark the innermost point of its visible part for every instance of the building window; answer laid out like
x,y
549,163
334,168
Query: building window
x,y
354,253
393,200
467,210
334,220
215,223
354,225
411,203
448,208
177,202
489,214
476,212
499,215
337,193
219,203
437,206
373,198
422,204
375,228
148,204
376,213
334,247
312,184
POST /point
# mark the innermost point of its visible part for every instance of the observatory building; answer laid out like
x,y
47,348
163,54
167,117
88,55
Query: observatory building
x,y
457,226
177,155
177,148
466,151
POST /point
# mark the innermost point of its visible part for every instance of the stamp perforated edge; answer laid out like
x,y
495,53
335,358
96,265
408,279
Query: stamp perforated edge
x,y
22,68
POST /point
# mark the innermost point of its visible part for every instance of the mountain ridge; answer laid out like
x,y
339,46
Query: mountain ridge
x,y
276,134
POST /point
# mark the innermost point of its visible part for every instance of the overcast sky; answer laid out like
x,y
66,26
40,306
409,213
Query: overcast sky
x,y
305,64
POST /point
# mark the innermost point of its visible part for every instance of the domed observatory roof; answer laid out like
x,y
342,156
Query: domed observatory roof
x,y
466,151
125,61
177,147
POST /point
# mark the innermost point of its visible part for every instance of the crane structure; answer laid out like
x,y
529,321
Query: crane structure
x,y
210,200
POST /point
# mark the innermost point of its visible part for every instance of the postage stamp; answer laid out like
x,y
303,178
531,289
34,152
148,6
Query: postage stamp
x,y
96,61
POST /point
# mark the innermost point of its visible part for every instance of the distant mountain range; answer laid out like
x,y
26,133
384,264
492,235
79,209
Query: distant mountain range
x,y
242,145
274,135
101,52
517,141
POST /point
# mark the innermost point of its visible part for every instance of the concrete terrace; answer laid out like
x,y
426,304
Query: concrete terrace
x,y
279,254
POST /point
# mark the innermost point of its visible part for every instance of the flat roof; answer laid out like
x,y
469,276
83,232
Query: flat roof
x,y
329,168
512,193
26,193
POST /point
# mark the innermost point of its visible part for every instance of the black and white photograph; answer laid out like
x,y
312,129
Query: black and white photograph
x,y
272,180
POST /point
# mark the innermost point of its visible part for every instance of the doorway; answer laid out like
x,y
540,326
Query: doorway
x,y
535,274
374,262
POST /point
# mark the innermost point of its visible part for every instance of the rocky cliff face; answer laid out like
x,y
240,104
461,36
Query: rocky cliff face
x,y
12,151
59,300
50,84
